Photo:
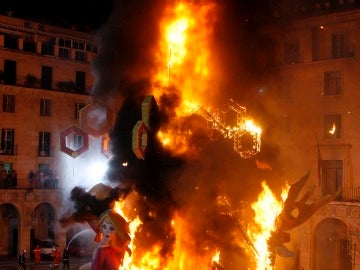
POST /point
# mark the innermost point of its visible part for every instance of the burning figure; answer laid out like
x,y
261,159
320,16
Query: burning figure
x,y
114,241
113,237
295,212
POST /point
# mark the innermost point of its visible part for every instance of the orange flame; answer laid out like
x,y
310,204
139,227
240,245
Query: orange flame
x,y
333,129
216,257
151,259
267,208
183,66
183,54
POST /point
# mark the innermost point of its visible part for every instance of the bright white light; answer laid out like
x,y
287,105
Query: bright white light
x,y
95,171
84,171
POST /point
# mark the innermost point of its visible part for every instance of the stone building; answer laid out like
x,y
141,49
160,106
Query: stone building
x,y
45,79
315,91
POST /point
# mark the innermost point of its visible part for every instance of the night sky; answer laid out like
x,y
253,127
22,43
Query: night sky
x,y
88,14
91,14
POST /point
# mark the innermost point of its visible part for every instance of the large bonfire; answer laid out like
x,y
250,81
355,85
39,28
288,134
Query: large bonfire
x,y
180,191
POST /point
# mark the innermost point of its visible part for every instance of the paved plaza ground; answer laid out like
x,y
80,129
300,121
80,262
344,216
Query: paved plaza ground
x,y
12,264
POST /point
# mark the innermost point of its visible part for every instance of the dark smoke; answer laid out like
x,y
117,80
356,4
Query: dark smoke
x,y
125,43
88,207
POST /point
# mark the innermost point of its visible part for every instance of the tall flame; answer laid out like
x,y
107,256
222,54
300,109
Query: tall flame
x,y
183,66
183,54
267,209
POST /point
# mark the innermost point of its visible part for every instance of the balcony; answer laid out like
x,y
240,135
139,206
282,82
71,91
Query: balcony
x,y
18,195
9,151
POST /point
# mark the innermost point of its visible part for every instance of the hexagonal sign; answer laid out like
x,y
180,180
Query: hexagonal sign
x,y
140,135
74,141
96,119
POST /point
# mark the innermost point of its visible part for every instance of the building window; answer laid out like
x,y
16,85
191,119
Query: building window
x,y
64,48
64,53
78,45
11,41
47,47
80,81
78,107
91,47
29,44
332,126
8,103
332,83
45,107
315,43
332,176
7,142
292,52
10,72
46,77
340,46
44,144
80,56
7,166
64,43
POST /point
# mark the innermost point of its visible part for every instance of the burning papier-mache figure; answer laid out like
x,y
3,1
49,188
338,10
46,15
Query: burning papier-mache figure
x,y
112,230
295,212
113,236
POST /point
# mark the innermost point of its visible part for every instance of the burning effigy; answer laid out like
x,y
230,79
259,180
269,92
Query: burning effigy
x,y
186,158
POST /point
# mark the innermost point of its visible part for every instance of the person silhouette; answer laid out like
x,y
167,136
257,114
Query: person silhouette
x,y
37,254
22,260
66,259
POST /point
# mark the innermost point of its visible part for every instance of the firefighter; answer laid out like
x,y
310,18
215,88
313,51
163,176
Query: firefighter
x,y
37,254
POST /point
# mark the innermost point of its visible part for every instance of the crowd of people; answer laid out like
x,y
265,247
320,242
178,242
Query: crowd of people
x,y
43,179
8,179
36,179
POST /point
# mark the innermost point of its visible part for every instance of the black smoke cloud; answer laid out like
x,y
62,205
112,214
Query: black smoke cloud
x,y
125,45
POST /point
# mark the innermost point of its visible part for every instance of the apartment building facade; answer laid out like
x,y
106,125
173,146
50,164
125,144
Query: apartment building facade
x,y
45,79
316,103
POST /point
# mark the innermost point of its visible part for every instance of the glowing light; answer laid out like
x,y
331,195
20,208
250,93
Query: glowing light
x,y
164,138
95,171
216,260
332,130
